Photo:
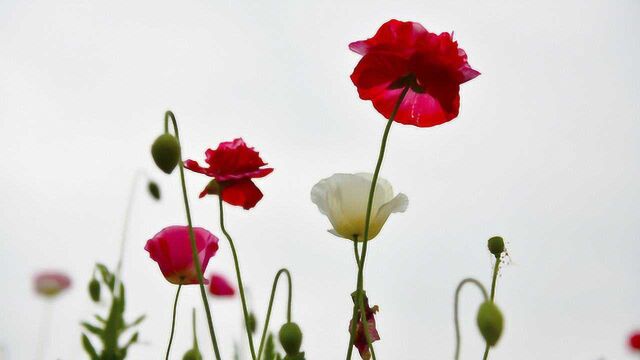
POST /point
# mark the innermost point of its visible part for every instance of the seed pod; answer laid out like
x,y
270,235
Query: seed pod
x,y
290,337
490,322
496,245
94,290
166,152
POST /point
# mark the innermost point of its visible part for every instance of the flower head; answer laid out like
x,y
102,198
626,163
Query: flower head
x,y
171,249
51,283
233,164
634,341
405,54
343,199
219,286
360,339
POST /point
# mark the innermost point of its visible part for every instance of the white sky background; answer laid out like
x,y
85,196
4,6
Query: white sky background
x,y
545,153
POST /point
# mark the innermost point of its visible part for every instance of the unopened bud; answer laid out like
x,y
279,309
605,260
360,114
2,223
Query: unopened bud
x,y
490,322
166,152
290,337
154,190
192,354
94,290
496,245
251,323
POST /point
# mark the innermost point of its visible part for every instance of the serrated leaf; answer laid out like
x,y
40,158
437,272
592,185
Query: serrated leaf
x,y
136,322
92,329
88,347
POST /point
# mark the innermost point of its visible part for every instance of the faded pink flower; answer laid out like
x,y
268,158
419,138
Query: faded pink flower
x,y
51,283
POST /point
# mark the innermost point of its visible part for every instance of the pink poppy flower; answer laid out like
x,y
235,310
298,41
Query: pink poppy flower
x,y
233,164
219,286
171,249
405,54
51,283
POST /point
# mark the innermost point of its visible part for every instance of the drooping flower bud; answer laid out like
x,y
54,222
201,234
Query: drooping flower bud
x,y
192,354
154,190
496,245
251,323
94,289
290,337
166,152
490,322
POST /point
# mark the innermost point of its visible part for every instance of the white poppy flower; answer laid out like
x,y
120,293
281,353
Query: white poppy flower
x,y
343,199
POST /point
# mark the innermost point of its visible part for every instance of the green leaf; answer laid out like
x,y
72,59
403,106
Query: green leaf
x,y
269,349
100,318
136,322
107,276
92,329
88,347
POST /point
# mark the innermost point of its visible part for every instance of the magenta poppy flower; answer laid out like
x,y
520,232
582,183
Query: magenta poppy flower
x,y
360,340
51,283
405,54
219,286
233,164
171,249
634,341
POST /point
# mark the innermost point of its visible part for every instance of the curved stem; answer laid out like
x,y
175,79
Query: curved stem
x,y
496,268
372,190
268,317
193,325
173,322
245,311
196,258
455,308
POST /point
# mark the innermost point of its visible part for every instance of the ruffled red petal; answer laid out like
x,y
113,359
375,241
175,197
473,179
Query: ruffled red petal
x,y
241,193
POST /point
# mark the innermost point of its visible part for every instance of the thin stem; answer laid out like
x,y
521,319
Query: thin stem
x,y
352,330
173,322
45,329
268,317
372,190
496,268
193,325
455,308
196,258
125,229
245,311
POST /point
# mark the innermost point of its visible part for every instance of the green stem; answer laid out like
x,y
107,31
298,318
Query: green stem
x,y
372,190
268,317
496,268
193,324
194,249
173,321
455,308
245,312
352,331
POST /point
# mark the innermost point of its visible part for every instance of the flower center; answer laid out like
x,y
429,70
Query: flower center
x,y
408,80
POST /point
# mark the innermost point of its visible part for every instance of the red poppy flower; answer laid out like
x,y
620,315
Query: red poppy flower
x,y
360,340
634,341
219,286
233,164
406,54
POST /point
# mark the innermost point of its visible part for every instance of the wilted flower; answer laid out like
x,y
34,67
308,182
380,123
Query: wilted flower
x,y
360,339
405,54
634,341
171,249
51,283
343,199
232,165
219,286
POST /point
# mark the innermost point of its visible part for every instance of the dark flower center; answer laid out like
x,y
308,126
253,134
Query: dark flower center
x,y
409,80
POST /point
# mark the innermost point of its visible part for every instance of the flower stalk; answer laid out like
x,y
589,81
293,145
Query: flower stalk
x,y
367,221
196,260
268,317
173,322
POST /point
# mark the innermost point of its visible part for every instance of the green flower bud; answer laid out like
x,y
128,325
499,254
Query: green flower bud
x,y
496,245
290,337
94,290
298,356
154,190
251,323
192,354
166,152
490,322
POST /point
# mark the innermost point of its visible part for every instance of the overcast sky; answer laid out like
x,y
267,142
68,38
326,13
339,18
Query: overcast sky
x,y
545,152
